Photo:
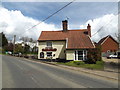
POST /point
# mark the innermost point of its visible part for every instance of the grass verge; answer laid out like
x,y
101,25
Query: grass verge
x,y
98,66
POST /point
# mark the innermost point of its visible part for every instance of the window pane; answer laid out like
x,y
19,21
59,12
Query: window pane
x,y
49,54
49,44
80,52
80,57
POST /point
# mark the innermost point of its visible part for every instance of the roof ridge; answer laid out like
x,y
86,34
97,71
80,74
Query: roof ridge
x,y
104,38
68,30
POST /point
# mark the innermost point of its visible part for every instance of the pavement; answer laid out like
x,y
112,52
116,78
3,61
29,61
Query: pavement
x,y
104,73
110,60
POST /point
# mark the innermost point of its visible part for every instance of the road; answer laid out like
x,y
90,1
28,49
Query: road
x,y
22,73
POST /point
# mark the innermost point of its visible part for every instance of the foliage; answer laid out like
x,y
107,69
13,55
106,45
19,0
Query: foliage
x,y
78,62
4,40
26,49
99,64
35,50
94,55
18,48
9,47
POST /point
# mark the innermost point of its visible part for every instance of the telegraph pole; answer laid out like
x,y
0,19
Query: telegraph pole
x,y
14,38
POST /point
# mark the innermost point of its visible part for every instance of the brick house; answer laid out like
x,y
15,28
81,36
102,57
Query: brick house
x,y
65,44
108,45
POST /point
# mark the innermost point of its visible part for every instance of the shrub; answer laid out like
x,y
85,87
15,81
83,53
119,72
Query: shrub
x,y
100,63
94,55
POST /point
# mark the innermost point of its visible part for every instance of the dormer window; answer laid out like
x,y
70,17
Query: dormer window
x,y
49,44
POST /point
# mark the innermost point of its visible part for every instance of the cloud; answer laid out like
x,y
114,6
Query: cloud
x,y
107,25
13,22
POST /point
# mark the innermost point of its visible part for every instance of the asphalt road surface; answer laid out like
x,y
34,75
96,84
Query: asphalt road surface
x,y
22,73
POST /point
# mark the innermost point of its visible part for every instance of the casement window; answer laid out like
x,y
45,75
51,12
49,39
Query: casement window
x,y
80,55
49,54
49,44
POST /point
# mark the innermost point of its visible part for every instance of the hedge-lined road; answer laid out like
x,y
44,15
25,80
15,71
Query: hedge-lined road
x,y
21,73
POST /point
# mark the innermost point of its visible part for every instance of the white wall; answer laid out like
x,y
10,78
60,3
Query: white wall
x,y
70,54
59,45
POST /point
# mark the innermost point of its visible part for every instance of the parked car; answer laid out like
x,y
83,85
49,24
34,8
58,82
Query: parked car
x,y
118,53
112,56
26,56
18,54
9,52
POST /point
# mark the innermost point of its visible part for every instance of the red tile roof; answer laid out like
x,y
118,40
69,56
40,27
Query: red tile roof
x,y
76,38
103,39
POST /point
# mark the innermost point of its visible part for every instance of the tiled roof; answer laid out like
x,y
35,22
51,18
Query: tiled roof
x,y
76,38
103,39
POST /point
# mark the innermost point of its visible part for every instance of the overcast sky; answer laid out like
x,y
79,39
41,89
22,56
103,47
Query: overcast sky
x,y
17,17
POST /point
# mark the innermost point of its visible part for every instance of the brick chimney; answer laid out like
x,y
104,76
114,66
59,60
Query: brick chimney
x,y
64,25
89,30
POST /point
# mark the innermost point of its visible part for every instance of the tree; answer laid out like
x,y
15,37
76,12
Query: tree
x,y
30,40
4,40
9,47
18,48
35,50
94,54
27,43
26,49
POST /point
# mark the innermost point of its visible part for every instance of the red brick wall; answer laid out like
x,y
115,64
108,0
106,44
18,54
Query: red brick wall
x,y
109,44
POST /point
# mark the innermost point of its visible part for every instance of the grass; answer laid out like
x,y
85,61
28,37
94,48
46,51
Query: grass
x,y
98,66
2,53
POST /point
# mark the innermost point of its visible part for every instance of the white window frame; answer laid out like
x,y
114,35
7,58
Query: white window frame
x,y
48,42
76,56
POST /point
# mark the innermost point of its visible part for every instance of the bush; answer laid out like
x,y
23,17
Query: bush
x,y
94,55
100,63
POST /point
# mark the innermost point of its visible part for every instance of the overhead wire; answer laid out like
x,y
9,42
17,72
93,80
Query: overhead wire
x,y
50,15
101,28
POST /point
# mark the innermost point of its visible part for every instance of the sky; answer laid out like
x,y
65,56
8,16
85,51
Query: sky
x,y
17,17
